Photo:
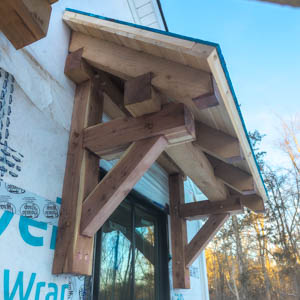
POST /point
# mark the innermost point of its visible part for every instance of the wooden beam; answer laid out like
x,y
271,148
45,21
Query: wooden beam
x,y
253,202
77,69
232,176
74,252
211,99
175,80
218,143
203,237
140,98
168,164
180,273
114,102
175,122
164,160
24,21
193,161
201,209
118,182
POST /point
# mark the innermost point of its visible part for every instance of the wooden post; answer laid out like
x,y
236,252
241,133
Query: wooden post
x,y
74,252
181,274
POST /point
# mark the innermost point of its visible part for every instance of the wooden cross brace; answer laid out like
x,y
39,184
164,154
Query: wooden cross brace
x,y
216,212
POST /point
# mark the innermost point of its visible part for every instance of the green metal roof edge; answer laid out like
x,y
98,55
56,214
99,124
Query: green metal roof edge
x,y
222,60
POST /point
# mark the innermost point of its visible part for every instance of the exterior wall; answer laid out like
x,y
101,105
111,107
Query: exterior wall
x,y
36,107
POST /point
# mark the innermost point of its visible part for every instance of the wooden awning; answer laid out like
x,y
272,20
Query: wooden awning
x,y
221,130
170,100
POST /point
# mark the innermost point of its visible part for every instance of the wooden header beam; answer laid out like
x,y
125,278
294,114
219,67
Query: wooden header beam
x,y
174,121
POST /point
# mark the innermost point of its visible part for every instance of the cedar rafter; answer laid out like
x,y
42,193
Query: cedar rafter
x,y
218,144
232,176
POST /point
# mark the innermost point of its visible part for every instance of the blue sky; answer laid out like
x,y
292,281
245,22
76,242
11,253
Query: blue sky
x,y
261,46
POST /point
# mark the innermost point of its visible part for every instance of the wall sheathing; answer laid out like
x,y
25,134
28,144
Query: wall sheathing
x,y
35,108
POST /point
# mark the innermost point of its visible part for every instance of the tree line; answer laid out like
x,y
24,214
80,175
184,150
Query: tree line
x,y
257,256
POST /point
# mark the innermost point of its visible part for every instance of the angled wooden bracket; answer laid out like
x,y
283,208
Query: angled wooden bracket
x,y
184,253
115,186
203,237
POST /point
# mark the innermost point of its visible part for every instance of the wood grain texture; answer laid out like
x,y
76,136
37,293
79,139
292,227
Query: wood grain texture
x,y
24,21
254,203
180,273
248,165
203,237
190,53
74,252
210,99
140,98
195,164
218,143
232,176
118,182
77,69
177,81
114,100
174,122
202,209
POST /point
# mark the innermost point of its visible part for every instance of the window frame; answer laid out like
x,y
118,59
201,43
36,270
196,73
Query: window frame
x,y
162,284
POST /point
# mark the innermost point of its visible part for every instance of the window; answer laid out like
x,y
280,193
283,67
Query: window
x,y
131,261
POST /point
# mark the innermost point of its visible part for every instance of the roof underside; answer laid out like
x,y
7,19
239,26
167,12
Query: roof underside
x,y
197,55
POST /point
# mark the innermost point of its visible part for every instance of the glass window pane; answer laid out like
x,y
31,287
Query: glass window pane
x,y
116,256
145,256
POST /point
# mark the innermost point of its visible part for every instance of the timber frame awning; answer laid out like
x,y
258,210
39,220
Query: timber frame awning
x,y
170,100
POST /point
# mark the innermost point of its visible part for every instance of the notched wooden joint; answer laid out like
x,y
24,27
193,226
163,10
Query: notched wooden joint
x,y
210,99
140,97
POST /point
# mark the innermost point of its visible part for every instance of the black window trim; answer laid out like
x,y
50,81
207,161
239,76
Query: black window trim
x,y
162,275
